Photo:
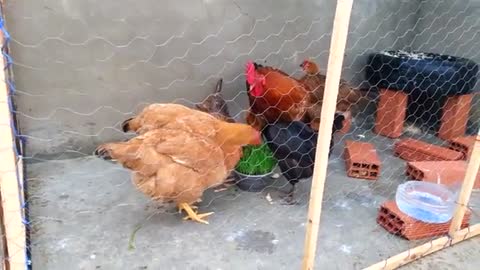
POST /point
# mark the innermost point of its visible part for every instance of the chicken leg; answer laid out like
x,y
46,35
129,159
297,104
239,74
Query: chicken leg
x,y
193,215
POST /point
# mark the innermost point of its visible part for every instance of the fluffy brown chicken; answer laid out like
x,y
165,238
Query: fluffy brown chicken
x,y
175,116
180,153
314,82
273,96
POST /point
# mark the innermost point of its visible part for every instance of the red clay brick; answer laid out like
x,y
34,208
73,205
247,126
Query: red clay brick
x,y
361,160
443,172
415,150
455,116
462,144
391,110
347,123
396,222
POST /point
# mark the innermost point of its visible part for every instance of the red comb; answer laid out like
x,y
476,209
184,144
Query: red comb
x,y
250,72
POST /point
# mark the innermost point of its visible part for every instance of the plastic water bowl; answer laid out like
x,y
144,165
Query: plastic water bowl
x,y
424,201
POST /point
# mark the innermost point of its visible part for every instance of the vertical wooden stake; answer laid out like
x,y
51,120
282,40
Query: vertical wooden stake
x,y
11,193
467,187
335,61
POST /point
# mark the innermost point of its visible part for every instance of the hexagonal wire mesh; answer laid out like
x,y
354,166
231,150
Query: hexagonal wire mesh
x,y
83,68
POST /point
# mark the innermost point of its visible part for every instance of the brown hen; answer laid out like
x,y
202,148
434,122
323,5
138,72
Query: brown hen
x,y
175,116
314,82
180,153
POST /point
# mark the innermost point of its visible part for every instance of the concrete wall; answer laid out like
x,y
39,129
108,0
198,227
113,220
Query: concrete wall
x,y
82,66
453,28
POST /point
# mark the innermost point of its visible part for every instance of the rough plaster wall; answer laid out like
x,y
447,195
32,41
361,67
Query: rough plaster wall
x,y
453,28
82,66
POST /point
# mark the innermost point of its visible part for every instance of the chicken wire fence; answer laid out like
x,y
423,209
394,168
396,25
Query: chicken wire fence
x,y
83,68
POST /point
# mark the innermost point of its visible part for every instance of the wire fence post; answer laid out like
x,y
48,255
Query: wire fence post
x,y
335,61
467,187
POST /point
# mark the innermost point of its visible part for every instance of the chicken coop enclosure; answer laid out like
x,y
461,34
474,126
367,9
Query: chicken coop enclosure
x,y
397,80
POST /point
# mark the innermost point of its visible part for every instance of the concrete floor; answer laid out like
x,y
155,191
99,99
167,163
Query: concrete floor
x,y
84,210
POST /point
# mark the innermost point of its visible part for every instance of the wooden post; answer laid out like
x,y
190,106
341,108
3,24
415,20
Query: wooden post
x,y
335,61
11,193
467,186
426,249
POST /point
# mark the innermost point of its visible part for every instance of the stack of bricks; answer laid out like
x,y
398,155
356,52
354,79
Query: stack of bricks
x,y
361,160
455,116
392,107
398,223
415,150
447,173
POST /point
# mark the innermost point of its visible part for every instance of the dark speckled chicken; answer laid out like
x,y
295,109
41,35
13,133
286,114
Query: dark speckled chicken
x,y
215,104
294,145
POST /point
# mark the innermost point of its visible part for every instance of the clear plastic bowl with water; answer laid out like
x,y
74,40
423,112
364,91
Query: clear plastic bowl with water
x,y
424,201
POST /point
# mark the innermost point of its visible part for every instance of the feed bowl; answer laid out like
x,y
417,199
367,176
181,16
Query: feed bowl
x,y
252,183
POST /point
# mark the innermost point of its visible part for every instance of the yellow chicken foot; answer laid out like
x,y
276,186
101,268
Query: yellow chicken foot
x,y
191,206
193,215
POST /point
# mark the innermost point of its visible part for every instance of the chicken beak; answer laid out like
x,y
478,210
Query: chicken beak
x,y
259,140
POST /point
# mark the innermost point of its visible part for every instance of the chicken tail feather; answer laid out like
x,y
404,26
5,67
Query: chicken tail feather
x,y
257,65
218,87
125,125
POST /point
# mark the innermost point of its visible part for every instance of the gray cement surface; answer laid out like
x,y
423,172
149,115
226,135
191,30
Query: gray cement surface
x,y
84,211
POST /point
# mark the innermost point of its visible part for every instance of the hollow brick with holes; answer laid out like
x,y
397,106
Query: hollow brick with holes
x,y
391,111
445,172
455,114
396,222
361,160
462,144
416,150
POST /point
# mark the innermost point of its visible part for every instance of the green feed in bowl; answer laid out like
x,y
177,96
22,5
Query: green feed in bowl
x,y
256,160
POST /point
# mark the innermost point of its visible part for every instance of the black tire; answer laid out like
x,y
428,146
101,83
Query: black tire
x,y
428,74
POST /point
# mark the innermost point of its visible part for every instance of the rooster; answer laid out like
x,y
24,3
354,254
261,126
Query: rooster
x,y
273,96
179,153
294,146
